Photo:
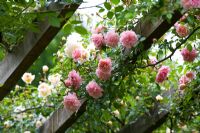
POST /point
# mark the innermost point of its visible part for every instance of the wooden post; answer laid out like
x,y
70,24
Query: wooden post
x,y
17,62
62,119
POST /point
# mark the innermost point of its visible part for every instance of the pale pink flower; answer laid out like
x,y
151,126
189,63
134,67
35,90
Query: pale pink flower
x,y
94,90
98,40
112,38
184,80
71,102
189,56
128,39
182,30
189,4
68,83
76,54
153,61
75,79
190,75
105,64
103,75
162,74
99,29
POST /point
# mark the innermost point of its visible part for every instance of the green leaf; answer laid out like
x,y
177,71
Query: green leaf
x,y
119,8
110,15
107,5
54,21
69,14
81,30
115,1
76,22
67,28
102,10
189,47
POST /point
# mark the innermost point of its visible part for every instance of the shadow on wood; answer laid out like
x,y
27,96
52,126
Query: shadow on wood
x,y
17,62
62,119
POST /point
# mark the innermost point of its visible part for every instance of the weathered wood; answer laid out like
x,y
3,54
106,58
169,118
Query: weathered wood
x,y
17,62
62,119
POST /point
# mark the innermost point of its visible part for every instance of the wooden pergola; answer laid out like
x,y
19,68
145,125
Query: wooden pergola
x,y
17,62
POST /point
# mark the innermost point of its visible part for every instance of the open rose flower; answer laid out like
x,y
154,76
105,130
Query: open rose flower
x,y
99,29
162,74
74,80
128,39
103,75
94,90
181,30
105,64
98,40
190,75
71,102
189,4
54,79
112,38
189,56
44,90
28,78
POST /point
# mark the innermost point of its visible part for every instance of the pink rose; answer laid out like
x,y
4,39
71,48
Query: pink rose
x,y
68,83
189,56
99,29
103,75
190,75
71,102
162,74
128,39
184,80
112,39
76,54
182,30
105,64
94,90
98,40
153,61
188,4
75,79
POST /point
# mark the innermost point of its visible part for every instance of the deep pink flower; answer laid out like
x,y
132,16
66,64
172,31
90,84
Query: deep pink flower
x,y
76,54
105,65
103,75
98,40
162,74
71,102
112,39
94,90
189,56
182,30
189,4
128,39
75,79
68,83
190,75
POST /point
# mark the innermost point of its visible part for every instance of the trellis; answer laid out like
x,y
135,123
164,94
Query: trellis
x,y
17,62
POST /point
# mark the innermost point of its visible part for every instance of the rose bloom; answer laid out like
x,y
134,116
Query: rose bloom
x,y
94,90
75,79
103,75
153,61
98,40
28,78
76,54
68,83
54,79
159,98
162,74
105,65
189,56
99,29
188,4
184,80
128,39
70,46
112,39
44,90
45,68
71,102
190,75
182,30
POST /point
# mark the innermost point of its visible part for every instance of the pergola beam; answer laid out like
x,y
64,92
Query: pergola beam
x,y
19,60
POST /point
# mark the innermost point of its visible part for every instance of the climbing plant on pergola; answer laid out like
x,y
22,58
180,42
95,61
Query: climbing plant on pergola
x,y
125,81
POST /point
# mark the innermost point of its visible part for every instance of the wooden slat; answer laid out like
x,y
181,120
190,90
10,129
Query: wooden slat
x,y
17,62
62,119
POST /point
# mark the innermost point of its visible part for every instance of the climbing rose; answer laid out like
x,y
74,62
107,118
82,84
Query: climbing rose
x,y
189,56
71,102
162,74
44,90
98,40
112,39
28,78
181,30
94,90
128,39
68,83
190,75
76,54
70,46
153,60
105,64
183,81
99,29
54,79
75,79
188,4
103,75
